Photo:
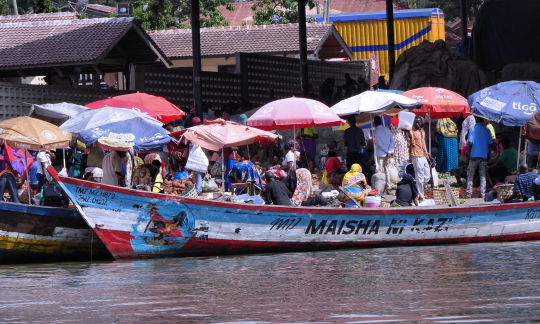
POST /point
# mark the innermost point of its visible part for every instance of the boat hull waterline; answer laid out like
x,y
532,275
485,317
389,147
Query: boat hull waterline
x,y
38,233
139,224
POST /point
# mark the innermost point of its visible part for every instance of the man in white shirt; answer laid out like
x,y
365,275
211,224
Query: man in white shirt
x,y
290,157
112,167
384,149
43,159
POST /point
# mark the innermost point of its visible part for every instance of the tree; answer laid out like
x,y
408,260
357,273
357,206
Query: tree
x,y
4,8
154,14
267,12
44,6
209,9
163,14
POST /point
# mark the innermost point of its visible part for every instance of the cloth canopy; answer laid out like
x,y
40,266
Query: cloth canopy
x,y
217,134
62,110
513,103
96,118
294,112
154,106
374,103
438,102
33,134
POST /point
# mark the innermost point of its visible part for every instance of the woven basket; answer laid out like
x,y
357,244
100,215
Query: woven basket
x,y
440,197
192,193
504,191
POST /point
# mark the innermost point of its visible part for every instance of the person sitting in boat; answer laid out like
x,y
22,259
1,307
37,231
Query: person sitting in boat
x,y
304,187
406,192
230,155
354,182
146,176
275,191
523,185
8,176
332,164
245,171
93,174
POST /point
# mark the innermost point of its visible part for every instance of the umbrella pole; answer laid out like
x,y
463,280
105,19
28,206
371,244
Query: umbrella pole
x,y
294,143
429,134
27,178
249,155
64,156
222,171
519,146
374,141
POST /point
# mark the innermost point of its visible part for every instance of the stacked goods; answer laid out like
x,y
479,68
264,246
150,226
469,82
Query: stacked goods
x,y
178,187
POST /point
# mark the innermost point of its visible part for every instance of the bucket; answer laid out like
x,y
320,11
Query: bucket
x,y
406,120
373,201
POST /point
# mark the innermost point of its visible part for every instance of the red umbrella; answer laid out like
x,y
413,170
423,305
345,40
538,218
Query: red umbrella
x,y
294,113
438,102
154,106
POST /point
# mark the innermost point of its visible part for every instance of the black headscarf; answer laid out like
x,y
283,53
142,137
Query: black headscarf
x,y
408,179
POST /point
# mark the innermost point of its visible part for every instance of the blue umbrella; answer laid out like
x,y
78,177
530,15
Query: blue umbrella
x,y
145,135
513,103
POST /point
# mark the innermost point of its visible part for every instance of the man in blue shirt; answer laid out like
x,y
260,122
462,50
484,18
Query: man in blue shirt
x,y
523,185
479,140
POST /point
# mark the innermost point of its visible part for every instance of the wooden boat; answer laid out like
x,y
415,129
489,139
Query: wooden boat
x,y
139,224
37,233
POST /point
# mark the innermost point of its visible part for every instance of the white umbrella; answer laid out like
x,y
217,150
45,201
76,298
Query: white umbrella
x,y
95,118
373,102
61,110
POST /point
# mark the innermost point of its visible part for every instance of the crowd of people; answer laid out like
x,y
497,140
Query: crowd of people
x,y
386,160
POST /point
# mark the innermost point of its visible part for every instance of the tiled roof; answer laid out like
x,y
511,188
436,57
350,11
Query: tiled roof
x,y
243,13
99,7
29,44
38,17
223,41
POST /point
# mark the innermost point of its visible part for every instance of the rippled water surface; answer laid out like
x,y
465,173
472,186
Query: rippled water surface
x,y
441,284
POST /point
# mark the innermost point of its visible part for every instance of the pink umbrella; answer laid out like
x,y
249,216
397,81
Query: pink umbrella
x,y
217,134
154,106
294,113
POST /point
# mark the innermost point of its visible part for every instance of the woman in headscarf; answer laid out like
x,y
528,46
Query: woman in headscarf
x,y
332,164
303,187
406,191
447,154
354,183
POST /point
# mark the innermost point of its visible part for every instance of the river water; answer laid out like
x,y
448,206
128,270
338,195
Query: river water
x,y
473,283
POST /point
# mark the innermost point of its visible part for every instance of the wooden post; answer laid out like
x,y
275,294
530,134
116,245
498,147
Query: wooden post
x,y
303,46
196,50
390,36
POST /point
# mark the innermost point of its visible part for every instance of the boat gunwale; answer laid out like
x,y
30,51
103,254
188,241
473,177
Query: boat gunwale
x,y
297,210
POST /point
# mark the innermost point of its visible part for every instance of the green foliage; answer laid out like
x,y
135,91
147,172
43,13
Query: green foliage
x,y
44,6
210,14
154,14
4,8
267,12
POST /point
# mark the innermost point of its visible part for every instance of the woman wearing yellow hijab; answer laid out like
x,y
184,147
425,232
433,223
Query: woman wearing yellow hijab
x,y
353,184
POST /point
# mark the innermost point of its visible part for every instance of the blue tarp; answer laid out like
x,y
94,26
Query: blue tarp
x,y
512,102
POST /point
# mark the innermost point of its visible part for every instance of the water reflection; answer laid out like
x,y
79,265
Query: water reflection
x,y
443,284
